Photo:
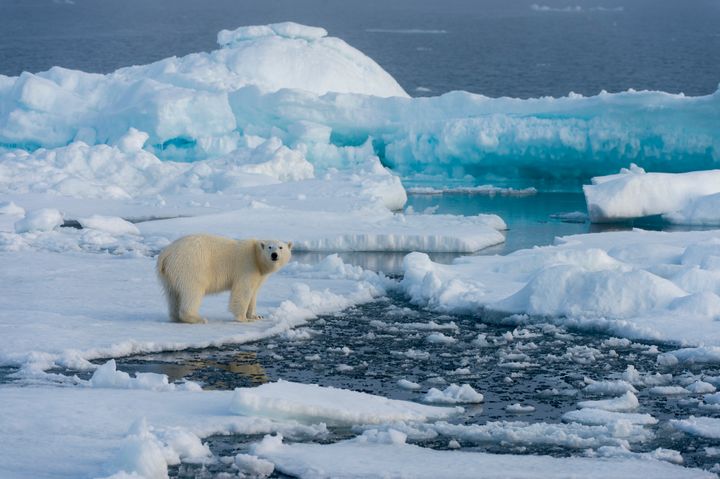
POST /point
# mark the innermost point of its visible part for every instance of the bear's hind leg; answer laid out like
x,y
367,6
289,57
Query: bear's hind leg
x,y
173,300
189,306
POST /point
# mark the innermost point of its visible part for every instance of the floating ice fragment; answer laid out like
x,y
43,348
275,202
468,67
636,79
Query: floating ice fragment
x,y
453,394
626,402
308,402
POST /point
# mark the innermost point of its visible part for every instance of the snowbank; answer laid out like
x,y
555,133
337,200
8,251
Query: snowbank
x,y
636,284
313,403
376,454
633,193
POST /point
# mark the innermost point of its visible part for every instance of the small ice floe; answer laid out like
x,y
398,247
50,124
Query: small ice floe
x,y
598,417
108,376
701,387
668,391
110,224
409,385
618,386
440,338
633,193
253,467
708,427
454,394
698,355
626,402
519,408
310,402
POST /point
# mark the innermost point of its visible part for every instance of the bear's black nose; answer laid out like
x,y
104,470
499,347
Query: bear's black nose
x,y
274,256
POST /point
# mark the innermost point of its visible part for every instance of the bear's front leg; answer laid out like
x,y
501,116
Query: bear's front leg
x,y
251,314
240,298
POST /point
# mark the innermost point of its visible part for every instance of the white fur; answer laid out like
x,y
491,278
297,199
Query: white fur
x,y
197,265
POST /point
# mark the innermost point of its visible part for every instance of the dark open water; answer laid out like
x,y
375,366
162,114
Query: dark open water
x,y
493,47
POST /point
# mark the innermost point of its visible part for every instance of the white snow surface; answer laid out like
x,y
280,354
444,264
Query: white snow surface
x,y
313,403
635,284
686,198
385,454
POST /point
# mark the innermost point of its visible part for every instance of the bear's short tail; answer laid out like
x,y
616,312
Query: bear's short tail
x,y
161,266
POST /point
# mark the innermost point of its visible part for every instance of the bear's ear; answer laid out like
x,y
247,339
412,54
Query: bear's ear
x,y
262,245
289,244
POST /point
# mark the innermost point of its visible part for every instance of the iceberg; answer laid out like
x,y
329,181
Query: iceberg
x,y
318,95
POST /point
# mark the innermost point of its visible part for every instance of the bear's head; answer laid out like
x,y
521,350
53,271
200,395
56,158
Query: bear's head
x,y
273,254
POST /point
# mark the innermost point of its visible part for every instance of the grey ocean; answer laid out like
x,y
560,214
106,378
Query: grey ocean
x,y
523,48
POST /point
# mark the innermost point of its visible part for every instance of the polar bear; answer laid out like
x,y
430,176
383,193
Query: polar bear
x,y
196,265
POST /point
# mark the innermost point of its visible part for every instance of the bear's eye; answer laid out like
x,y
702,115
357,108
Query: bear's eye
x,y
279,247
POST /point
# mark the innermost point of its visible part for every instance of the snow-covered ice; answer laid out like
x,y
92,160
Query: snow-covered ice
x,y
635,284
624,403
73,307
633,193
313,403
96,432
453,394
344,231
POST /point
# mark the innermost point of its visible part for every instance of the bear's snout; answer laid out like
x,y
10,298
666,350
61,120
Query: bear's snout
x,y
274,256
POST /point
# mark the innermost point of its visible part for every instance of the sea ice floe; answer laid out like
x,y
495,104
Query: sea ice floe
x,y
106,431
634,284
708,427
626,402
367,456
593,416
668,391
520,433
453,394
97,320
344,231
608,387
313,403
633,193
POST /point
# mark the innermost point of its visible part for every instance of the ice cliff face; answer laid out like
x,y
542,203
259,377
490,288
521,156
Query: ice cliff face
x,y
317,95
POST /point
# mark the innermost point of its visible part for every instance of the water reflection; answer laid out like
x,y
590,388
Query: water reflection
x,y
216,369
